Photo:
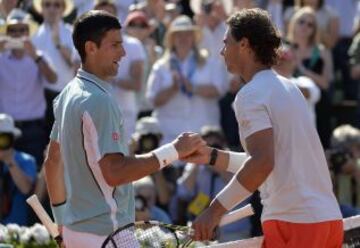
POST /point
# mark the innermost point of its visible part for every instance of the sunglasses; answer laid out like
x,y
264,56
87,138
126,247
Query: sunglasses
x,y
137,25
17,30
303,22
56,5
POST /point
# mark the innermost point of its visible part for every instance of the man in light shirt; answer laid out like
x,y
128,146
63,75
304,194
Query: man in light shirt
x,y
54,39
23,71
284,158
88,171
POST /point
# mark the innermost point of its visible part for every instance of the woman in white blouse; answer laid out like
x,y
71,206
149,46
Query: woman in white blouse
x,y
184,85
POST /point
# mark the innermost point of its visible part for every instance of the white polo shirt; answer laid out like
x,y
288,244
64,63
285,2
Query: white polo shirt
x,y
299,188
44,42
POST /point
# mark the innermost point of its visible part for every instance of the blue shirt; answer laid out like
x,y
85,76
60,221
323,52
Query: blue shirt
x,y
19,209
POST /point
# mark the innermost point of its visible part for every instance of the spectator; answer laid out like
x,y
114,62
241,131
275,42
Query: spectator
x,y
128,80
343,160
172,10
82,6
107,5
155,11
347,12
122,8
17,175
183,85
146,138
210,15
54,39
201,183
326,18
286,67
313,61
145,197
137,25
23,71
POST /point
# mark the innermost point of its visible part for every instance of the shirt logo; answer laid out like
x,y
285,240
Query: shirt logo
x,y
245,124
115,136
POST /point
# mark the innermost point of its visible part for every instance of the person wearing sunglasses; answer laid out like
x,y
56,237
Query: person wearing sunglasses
x,y
54,39
315,62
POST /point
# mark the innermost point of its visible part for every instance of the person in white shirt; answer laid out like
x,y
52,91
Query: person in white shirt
x,y
128,80
284,158
286,67
183,85
54,39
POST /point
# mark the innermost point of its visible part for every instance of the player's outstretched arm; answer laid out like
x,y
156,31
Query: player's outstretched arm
x,y
253,173
118,169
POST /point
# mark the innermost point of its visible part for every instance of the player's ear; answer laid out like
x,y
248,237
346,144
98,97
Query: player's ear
x,y
90,48
244,43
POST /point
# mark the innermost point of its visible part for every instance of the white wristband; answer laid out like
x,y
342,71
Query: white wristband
x,y
232,194
166,154
236,160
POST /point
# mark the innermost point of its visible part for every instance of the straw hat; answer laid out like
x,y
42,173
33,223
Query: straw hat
x,y
7,125
181,24
18,16
69,6
196,5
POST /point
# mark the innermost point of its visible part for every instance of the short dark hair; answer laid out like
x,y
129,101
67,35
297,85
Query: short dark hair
x,y
255,25
92,26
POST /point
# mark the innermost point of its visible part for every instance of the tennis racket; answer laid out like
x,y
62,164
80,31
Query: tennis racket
x,y
52,228
351,237
154,234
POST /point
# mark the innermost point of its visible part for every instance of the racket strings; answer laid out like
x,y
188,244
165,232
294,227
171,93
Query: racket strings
x,y
149,235
352,238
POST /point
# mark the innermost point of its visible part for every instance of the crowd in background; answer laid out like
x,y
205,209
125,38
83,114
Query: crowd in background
x,y
173,79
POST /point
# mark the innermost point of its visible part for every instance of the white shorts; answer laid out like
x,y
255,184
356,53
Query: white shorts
x,y
73,239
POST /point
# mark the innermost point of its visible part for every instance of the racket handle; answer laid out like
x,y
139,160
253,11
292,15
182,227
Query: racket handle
x,y
237,215
52,228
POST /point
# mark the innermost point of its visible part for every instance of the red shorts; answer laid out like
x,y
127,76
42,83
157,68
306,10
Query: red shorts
x,y
327,234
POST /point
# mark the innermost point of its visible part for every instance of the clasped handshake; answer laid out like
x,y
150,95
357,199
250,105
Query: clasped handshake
x,y
188,147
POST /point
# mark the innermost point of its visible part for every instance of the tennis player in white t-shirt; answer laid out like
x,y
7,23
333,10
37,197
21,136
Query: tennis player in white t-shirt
x,y
284,158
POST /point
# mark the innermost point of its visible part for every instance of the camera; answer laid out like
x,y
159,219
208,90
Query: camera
x,y
7,141
338,157
148,142
14,43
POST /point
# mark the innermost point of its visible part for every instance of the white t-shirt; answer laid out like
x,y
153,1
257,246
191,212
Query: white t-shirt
x,y
299,188
183,113
44,42
134,52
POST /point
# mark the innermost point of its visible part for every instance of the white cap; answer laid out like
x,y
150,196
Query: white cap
x,y
147,125
7,125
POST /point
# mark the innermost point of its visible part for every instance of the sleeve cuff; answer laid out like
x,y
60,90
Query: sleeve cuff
x,y
58,212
